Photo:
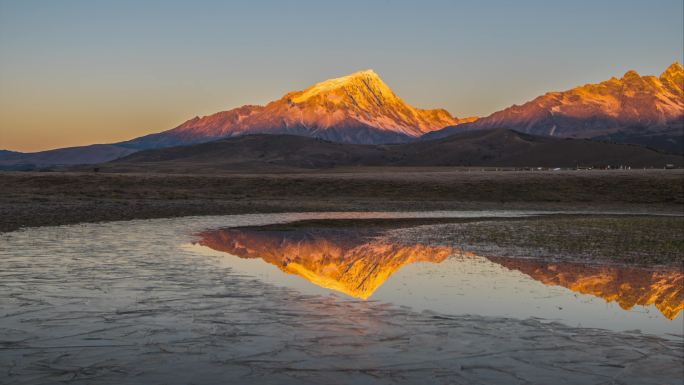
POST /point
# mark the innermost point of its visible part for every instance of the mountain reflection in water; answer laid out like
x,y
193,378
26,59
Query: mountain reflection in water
x,y
628,286
352,262
357,262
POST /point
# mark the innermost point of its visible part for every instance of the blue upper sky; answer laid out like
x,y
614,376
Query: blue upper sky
x,y
76,72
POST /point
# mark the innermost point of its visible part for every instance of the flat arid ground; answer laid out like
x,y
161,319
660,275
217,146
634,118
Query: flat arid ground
x,y
55,198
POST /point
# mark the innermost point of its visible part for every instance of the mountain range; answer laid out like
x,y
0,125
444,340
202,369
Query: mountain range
x,y
361,109
645,110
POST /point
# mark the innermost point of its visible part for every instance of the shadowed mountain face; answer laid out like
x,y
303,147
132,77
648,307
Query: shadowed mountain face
x,y
349,261
357,261
633,109
358,108
628,286
479,148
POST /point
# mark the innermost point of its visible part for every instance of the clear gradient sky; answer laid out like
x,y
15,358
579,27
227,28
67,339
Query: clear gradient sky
x,y
82,72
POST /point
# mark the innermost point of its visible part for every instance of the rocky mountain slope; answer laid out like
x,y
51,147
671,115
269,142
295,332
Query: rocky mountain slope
x,y
358,108
645,110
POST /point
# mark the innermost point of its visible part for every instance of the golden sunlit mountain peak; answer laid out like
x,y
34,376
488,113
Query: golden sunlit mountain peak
x,y
367,73
675,67
673,77
349,84
631,74
356,108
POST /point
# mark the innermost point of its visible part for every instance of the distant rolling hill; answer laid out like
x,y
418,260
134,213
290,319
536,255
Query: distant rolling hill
x,y
488,148
6,153
69,156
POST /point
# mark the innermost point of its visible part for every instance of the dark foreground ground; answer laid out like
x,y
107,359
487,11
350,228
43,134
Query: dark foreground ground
x,y
44,199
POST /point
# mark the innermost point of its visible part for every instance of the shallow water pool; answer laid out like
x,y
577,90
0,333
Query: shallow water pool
x,y
151,301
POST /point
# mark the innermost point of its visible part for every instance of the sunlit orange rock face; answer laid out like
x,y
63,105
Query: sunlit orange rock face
x,y
358,108
628,286
635,107
343,260
632,100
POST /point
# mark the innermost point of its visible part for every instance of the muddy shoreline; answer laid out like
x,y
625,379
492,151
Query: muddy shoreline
x,y
56,198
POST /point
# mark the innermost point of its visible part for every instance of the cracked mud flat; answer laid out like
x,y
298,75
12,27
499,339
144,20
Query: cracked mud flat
x,y
124,302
